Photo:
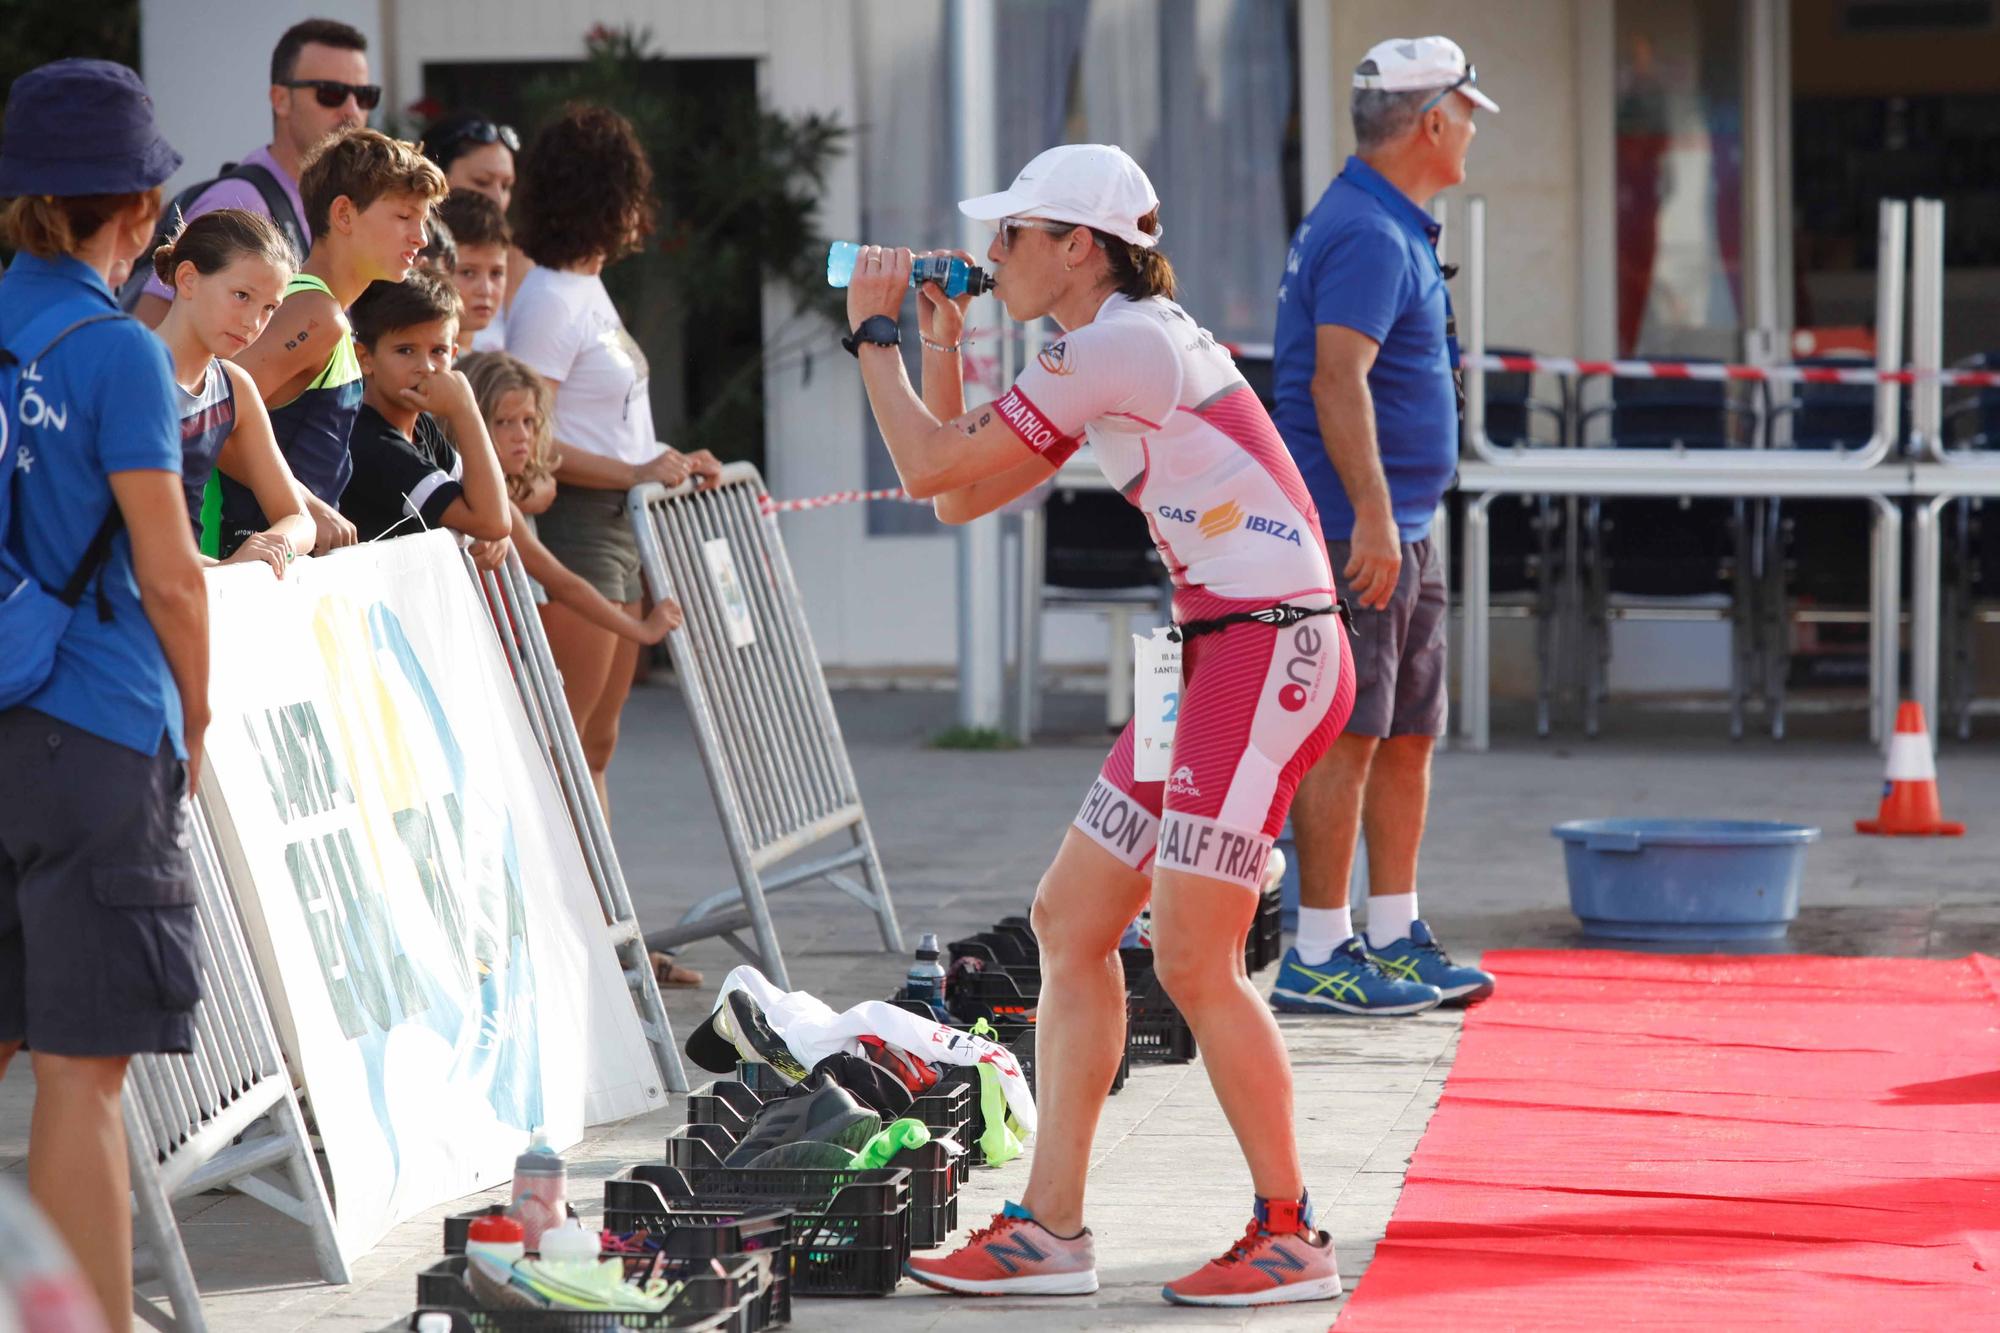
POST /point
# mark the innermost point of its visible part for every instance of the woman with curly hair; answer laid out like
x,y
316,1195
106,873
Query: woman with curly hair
x,y
586,200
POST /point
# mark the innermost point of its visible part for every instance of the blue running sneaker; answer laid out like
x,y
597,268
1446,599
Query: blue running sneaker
x,y
1419,957
1347,983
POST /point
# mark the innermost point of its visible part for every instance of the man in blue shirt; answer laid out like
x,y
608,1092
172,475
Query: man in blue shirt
x,y
1367,403
98,950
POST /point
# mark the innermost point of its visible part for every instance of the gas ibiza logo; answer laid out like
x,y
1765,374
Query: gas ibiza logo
x,y
1228,518
1182,782
1177,514
1303,669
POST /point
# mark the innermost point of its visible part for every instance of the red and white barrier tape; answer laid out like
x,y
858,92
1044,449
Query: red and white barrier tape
x,y
770,506
1708,370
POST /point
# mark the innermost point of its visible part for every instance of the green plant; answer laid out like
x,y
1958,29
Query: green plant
x,y
739,188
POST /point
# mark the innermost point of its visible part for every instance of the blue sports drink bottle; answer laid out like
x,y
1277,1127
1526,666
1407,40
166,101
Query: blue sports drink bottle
x,y
957,277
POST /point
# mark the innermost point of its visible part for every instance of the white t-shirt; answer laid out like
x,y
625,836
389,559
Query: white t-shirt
x,y
1174,427
565,328
492,338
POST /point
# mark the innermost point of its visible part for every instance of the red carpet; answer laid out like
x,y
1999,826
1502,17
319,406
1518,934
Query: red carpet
x,y
1631,1140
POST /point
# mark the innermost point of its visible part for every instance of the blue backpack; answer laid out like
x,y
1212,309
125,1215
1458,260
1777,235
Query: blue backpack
x,y
32,619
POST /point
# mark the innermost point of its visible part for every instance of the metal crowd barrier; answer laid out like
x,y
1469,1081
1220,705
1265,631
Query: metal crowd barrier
x,y
510,598
768,736
222,1116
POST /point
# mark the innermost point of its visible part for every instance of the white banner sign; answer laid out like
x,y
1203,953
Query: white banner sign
x,y
429,939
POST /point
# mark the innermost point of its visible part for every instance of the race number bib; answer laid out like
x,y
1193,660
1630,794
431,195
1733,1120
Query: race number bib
x,y
1156,704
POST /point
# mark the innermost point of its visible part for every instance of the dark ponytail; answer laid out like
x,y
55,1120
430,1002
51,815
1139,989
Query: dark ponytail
x,y
1139,271
214,241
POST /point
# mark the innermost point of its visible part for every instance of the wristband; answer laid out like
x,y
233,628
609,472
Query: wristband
x,y
930,346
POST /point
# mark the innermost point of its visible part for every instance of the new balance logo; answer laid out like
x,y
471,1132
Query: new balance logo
x,y
1014,1255
1279,1264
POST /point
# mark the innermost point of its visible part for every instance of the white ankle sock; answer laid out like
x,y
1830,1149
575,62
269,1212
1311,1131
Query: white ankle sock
x,y
1389,917
1321,931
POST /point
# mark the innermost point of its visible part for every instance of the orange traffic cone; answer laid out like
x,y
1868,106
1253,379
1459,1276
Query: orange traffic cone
x,y
1910,793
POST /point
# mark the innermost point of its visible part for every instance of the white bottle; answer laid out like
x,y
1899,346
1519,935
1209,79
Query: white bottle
x,y
570,1244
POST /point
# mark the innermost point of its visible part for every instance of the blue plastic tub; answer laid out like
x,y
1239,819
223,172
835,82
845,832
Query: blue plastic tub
x,y
1684,879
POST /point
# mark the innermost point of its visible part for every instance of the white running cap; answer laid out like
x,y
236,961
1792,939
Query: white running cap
x,y
1094,184
1415,64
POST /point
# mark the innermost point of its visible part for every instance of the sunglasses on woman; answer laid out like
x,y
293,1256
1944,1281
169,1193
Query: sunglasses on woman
x,y
331,93
484,132
1008,226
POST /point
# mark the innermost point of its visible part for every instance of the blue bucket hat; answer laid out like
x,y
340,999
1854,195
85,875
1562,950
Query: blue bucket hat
x,y
82,127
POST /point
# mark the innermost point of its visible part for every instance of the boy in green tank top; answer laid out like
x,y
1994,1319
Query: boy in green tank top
x,y
368,198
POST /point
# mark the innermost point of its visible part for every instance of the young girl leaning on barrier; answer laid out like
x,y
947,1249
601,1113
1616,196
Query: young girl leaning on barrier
x,y
227,271
516,403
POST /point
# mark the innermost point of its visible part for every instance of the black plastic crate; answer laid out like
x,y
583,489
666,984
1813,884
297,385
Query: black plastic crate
x,y
947,1109
708,1298
934,1177
764,1236
1265,943
724,1102
849,1229
996,997
1155,1032
458,1225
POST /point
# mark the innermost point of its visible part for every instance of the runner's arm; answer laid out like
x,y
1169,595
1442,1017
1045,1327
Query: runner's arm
x,y
983,497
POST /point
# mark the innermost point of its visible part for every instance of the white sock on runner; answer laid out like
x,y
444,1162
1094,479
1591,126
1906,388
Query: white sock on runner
x,y
1321,931
1389,917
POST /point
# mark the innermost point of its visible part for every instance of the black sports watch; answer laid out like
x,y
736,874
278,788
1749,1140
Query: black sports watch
x,y
880,330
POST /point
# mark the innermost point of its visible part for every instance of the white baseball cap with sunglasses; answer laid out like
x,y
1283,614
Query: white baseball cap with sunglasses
x,y
1420,64
1083,184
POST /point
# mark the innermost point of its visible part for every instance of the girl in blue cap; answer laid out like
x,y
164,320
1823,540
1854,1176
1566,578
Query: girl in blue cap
x,y
97,899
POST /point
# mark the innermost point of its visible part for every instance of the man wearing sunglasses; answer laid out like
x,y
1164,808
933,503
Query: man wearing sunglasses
x,y
1366,402
319,84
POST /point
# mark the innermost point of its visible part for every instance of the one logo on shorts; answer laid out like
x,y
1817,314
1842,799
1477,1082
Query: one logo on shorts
x,y
1182,782
1218,521
1303,669
1055,358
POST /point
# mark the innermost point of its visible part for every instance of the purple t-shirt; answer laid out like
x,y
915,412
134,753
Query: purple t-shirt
x,y
242,194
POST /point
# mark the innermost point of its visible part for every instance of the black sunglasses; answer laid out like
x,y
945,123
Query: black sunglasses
x,y
331,93
483,132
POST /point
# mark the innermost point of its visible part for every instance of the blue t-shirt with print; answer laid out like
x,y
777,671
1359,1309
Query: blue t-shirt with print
x,y
1366,259
103,401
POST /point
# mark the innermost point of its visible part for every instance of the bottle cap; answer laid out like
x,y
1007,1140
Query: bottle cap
x,y
434,1321
498,1229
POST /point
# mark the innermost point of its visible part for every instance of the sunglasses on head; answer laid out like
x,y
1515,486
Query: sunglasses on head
x,y
1471,75
484,132
331,93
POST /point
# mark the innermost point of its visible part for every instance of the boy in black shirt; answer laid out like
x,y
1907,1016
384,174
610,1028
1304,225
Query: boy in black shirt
x,y
407,476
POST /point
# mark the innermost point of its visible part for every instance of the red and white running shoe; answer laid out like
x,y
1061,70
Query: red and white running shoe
x,y
1280,1259
1014,1256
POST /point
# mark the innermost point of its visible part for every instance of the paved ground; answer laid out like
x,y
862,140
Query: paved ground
x,y
964,837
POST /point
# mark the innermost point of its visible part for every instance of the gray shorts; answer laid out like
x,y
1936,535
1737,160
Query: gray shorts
x,y
1399,656
98,951
588,531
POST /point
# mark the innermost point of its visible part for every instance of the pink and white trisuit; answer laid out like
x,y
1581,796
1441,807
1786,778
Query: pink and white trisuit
x,y
1174,427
